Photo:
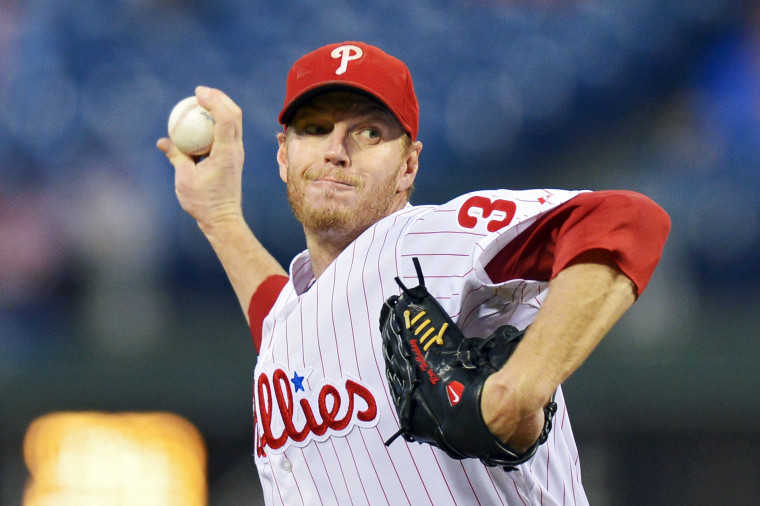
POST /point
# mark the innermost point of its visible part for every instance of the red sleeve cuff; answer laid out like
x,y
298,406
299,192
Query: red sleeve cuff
x,y
262,302
630,226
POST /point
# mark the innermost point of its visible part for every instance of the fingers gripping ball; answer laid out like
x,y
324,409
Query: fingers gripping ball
x,y
191,127
436,374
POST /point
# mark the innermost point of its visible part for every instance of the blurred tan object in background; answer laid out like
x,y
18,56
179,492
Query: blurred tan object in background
x,y
94,458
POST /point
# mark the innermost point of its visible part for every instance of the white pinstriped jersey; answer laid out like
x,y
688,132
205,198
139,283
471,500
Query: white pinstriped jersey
x,y
322,408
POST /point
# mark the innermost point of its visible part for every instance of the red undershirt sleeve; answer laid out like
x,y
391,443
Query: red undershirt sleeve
x,y
628,225
261,303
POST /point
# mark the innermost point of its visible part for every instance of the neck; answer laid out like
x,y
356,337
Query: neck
x,y
325,245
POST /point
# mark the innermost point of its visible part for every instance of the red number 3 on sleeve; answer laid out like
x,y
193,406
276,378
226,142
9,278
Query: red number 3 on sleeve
x,y
502,210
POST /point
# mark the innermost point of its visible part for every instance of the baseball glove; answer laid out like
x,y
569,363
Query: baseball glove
x,y
436,377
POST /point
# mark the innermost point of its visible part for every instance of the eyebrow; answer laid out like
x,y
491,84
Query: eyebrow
x,y
379,113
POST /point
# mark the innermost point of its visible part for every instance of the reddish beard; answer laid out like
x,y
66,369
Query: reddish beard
x,y
371,205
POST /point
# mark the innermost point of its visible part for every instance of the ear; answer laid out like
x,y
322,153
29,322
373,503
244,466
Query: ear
x,y
409,168
282,157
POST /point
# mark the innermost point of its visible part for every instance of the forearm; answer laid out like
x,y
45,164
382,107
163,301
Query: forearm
x,y
246,262
584,302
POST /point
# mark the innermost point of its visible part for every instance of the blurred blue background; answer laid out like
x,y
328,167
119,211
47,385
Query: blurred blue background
x,y
111,299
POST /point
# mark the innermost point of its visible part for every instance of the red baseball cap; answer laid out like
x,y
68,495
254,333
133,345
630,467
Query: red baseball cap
x,y
353,65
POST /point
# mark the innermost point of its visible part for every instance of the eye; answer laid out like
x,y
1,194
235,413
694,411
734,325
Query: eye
x,y
314,129
370,134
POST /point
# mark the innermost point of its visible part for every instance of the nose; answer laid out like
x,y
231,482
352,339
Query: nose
x,y
336,150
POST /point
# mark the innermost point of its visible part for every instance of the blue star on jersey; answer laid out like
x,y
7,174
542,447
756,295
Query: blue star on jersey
x,y
298,381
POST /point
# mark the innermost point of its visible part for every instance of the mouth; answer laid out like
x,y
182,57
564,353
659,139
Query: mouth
x,y
333,180
333,183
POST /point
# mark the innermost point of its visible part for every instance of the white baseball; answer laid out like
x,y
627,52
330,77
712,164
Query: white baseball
x,y
191,127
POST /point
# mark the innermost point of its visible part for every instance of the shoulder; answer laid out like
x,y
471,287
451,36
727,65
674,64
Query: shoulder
x,y
488,211
453,238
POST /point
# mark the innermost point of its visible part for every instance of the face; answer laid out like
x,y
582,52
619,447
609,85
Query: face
x,y
347,163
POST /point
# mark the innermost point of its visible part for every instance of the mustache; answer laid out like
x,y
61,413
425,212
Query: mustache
x,y
334,173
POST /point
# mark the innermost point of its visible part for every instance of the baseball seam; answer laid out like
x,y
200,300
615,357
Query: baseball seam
x,y
187,110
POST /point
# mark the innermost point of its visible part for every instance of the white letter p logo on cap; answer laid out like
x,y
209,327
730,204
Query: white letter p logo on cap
x,y
346,54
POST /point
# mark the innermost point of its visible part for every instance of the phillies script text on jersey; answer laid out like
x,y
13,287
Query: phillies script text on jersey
x,y
335,406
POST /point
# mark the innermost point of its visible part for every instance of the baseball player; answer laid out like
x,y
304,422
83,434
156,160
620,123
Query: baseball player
x,y
565,265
